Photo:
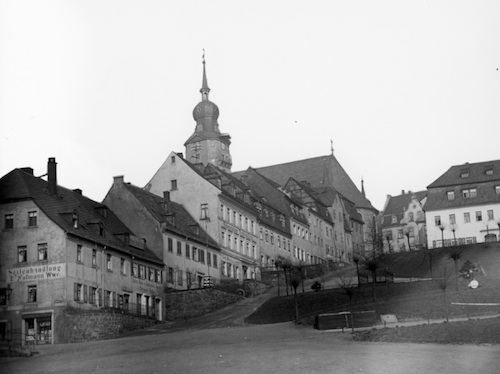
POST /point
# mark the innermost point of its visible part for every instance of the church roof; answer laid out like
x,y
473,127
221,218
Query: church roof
x,y
319,172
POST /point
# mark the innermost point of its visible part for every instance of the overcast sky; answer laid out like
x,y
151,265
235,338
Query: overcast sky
x,y
404,89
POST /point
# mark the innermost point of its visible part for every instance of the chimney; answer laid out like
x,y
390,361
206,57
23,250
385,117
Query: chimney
x,y
166,195
78,191
402,192
28,170
52,175
244,179
118,179
180,155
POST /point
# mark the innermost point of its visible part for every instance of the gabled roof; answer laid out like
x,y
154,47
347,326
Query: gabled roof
x,y
319,172
311,201
469,173
397,205
264,188
180,223
20,185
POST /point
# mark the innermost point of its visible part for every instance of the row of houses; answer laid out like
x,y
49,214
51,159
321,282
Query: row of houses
x,y
461,207
195,224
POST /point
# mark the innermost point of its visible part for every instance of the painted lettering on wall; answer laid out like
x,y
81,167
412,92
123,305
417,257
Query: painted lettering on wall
x,y
33,273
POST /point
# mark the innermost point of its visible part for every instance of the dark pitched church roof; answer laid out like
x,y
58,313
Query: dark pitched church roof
x,y
319,172
20,185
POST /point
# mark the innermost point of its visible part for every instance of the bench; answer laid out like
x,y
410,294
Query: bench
x,y
342,320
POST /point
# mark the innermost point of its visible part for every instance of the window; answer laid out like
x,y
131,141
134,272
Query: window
x,y
189,281
195,253
9,221
93,295
452,219
170,247
142,271
173,184
466,217
490,215
31,294
497,190
451,195
123,270
410,216
170,275
179,248
437,220
222,212
267,236
204,211
179,278
411,231
78,253
32,218
187,251
464,174
214,261
272,238
201,256
42,252
400,234
135,270
209,259
241,221
22,253
479,216
94,258
151,274
158,276
172,159
108,263
469,193
388,235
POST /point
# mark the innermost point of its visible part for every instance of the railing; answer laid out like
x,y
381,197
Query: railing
x,y
134,309
16,339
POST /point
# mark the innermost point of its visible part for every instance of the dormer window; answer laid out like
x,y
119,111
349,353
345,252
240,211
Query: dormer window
x,y
101,229
171,219
489,171
74,219
464,174
451,195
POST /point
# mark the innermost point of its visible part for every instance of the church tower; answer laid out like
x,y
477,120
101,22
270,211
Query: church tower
x,y
207,144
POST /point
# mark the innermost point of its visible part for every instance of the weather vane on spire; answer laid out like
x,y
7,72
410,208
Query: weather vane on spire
x,y
331,145
203,56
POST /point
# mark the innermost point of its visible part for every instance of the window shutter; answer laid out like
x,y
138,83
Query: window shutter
x,y
75,292
85,294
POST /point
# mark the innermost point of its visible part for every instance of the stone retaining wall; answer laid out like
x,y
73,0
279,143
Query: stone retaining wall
x,y
192,303
75,325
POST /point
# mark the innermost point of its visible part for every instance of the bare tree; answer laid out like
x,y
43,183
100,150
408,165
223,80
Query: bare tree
x,y
356,260
372,265
430,254
455,256
294,282
347,285
443,285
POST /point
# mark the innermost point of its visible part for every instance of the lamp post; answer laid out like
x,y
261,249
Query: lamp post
x,y
441,227
453,228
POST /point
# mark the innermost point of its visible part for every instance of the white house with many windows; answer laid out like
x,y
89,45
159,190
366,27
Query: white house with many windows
x,y
463,205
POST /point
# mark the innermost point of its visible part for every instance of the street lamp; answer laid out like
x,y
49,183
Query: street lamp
x,y
441,227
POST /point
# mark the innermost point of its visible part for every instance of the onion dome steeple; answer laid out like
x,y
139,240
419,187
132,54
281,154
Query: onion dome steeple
x,y
207,145
206,113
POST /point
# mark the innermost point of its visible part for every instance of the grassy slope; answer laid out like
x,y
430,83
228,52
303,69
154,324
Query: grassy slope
x,y
408,301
